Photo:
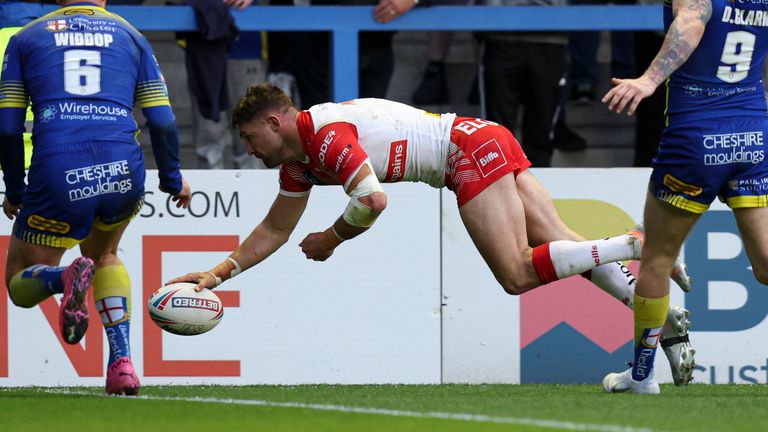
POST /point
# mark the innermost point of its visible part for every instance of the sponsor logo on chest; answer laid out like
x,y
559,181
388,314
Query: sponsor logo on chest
x,y
56,25
398,151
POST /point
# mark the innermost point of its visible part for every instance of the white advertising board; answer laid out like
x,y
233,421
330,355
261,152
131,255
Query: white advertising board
x,y
411,301
369,314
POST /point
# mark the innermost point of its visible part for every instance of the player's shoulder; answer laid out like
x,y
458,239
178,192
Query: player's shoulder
x,y
82,18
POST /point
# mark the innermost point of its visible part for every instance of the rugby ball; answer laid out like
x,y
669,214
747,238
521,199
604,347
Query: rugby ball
x,y
179,309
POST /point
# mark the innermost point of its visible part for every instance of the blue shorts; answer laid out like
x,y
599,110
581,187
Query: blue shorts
x,y
700,160
73,187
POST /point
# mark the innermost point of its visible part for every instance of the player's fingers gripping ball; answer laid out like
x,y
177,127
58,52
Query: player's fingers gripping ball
x,y
179,309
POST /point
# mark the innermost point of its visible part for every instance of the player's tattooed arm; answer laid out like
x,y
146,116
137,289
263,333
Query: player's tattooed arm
x,y
684,34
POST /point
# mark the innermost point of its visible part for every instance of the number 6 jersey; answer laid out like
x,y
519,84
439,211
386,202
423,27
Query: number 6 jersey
x,y
82,67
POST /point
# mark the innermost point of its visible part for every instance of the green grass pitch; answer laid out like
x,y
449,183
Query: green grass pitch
x,y
386,408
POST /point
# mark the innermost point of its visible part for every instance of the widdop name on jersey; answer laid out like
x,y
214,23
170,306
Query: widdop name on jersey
x,y
87,39
195,303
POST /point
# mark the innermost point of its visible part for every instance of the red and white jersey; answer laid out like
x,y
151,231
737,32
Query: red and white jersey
x,y
403,144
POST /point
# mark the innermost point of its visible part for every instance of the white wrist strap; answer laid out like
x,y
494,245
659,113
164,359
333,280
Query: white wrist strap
x,y
215,278
236,271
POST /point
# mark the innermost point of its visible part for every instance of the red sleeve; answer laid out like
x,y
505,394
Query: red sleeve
x,y
336,147
292,180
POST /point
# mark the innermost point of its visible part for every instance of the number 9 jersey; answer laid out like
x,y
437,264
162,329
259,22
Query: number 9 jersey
x,y
722,78
82,67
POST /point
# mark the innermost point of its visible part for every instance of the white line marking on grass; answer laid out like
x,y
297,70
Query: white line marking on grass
x,y
524,421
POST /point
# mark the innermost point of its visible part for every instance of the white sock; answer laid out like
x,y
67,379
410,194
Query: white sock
x,y
570,257
617,280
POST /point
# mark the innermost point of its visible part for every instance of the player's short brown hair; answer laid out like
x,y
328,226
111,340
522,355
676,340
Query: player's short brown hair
x,y
258,100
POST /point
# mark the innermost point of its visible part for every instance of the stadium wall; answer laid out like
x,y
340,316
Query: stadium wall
x,y
409,302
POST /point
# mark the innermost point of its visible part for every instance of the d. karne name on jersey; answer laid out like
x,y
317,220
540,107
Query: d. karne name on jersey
x,y
740,16
84,39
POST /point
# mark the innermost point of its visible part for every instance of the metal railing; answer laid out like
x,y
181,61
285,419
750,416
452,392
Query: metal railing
x,y
345,22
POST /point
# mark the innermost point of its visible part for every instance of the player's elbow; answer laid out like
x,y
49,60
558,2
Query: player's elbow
x,y
8,131
692,26
162,126
376,201
160,118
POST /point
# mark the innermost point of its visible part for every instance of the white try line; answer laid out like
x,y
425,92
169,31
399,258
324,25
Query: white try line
x,y
523,421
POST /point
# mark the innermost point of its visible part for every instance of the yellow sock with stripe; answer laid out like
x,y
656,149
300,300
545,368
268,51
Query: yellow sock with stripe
x,y
650,316
112,291
34,284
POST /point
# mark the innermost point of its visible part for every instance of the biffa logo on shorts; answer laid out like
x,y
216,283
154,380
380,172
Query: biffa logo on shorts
x,y
489,157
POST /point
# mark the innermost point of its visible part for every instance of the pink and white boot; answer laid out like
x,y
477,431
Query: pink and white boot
x,y
122,378
73,312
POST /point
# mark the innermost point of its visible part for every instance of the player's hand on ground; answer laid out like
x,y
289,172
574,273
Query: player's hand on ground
x,y
202,279
387,10
319,246
183,198
10,210
628,92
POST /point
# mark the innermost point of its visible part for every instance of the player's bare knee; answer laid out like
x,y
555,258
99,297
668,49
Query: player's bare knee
x,y
18,302
104,260
516,285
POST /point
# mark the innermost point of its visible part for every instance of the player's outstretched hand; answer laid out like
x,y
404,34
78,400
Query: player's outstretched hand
x,y
10,210
202,279
387,10
319,246
183,198
628,92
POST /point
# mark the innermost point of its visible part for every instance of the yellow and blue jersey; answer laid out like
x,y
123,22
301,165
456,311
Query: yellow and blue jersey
x,y
722,78
83,68
715,141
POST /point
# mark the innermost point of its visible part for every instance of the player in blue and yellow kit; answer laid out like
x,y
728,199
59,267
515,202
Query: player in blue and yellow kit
x,y
713,145
82,68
